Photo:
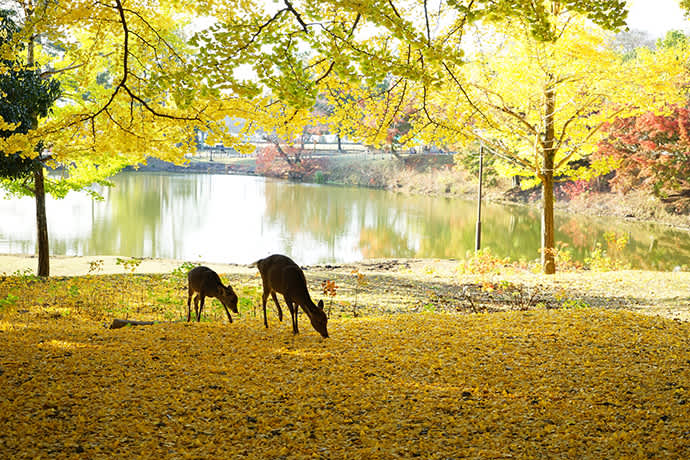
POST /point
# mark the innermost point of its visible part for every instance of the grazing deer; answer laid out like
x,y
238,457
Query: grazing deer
x,y
205,282
281,275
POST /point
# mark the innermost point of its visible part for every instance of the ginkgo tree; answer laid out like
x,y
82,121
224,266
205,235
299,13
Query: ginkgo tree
x,y
540,105
303,49
127,91
24,96
133,87
294,48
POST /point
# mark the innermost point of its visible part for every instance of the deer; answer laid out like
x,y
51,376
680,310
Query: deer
x,y
204,282
282,275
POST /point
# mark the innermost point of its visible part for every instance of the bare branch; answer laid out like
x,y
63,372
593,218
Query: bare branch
x,y
467,97
49,73
276,142
394,9
426,20
297,15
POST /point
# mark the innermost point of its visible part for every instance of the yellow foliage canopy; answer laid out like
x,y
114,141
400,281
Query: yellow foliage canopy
x,y
127,81
506,85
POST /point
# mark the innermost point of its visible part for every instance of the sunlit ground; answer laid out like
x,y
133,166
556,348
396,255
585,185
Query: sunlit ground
x,y
579,383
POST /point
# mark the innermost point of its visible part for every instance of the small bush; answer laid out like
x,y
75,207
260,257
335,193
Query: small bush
x,y
607,258
483,262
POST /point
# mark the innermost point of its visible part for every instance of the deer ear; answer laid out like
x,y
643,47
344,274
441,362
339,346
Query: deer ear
x,y
320,304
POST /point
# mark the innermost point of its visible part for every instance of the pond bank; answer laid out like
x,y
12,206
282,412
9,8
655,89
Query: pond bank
x,y
434,175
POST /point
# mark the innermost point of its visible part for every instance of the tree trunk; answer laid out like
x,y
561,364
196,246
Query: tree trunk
x,y
41,222
39,193
548,256
394,153
340,142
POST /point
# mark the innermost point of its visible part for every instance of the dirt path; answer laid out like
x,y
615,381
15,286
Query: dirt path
x,y
386,286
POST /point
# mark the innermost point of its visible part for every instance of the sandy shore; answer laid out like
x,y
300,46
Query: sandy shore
x,y
76,266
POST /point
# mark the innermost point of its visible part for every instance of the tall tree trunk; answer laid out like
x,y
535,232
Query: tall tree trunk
x,y
394,153
39,187
340,142
41,222
548,256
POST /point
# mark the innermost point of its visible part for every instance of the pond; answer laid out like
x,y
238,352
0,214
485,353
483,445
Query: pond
x,y
239,219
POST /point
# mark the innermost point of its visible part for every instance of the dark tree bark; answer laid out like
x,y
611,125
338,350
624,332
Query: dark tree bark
x,y
548,239
41,222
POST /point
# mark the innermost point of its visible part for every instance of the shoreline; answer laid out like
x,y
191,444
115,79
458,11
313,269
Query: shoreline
x,y
640,208
67,266
81,265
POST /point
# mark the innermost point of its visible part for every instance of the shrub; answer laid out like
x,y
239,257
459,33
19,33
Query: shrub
x,y
483,262
269,162
607,258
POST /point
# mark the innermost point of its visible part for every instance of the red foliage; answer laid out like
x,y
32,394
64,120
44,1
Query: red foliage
x,y
572,189
269,162
653,150
265,158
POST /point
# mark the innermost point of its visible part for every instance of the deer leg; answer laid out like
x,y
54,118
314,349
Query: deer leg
x,y
196,305
227,312
189,305
264,298
295,307
280,312
293,314
201,307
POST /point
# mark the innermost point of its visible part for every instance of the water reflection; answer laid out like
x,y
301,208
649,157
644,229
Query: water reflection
x,y
238,219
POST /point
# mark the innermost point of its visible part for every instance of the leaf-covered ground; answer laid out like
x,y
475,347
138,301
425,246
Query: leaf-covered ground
x,y
582,383
550,367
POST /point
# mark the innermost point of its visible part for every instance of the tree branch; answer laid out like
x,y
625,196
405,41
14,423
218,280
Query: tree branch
x,y
498,149
292,10
426,20
122,85
49,73
394,9
467,97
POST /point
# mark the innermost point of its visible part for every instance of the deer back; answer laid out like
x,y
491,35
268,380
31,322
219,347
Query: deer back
x,y
205,281
282,275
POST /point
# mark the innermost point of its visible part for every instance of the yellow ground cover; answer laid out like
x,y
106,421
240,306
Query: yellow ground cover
x,y
583,383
